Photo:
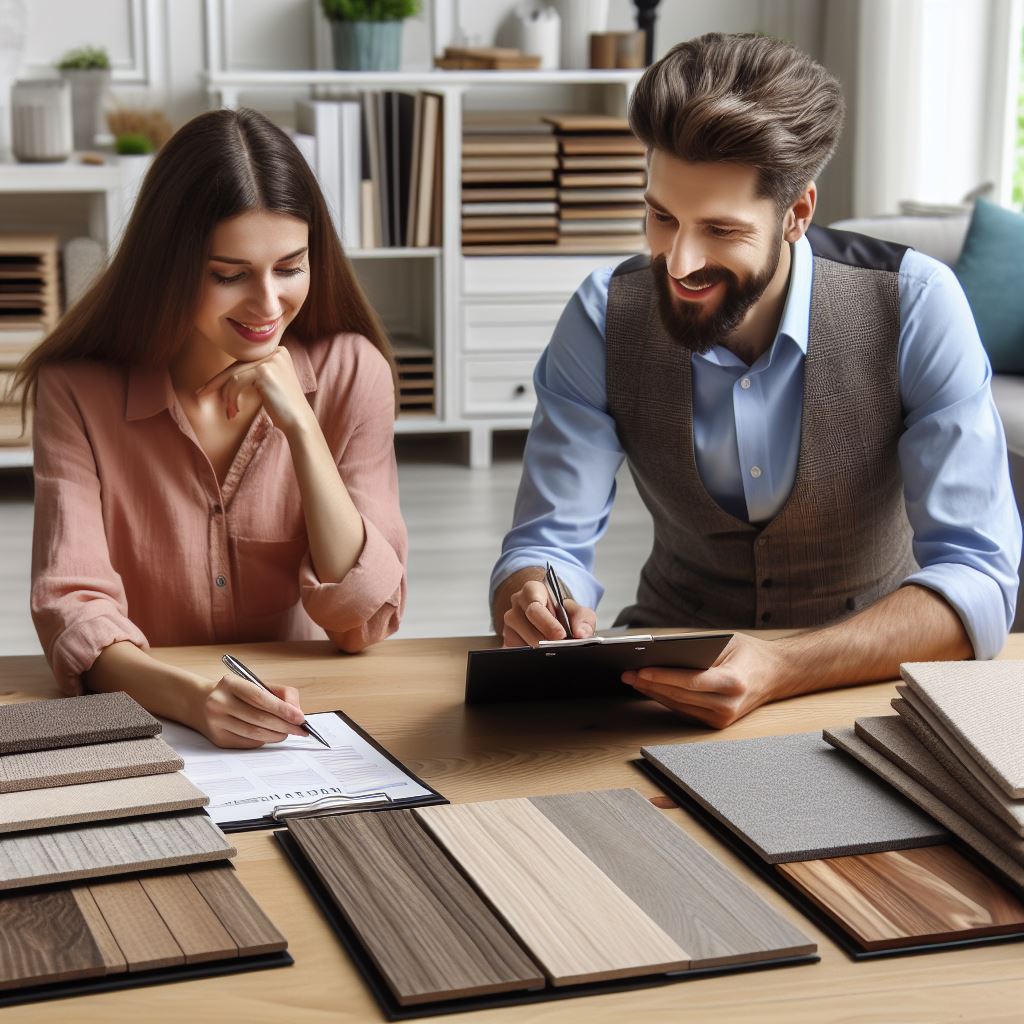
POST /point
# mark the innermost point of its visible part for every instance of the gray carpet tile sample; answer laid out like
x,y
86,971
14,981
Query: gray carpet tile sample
x,y
95,762
111,800
795,797
1008,810
847,740
891,736
97,850
72,721
982,702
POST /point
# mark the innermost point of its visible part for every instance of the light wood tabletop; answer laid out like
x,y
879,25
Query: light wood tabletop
x,y
408,694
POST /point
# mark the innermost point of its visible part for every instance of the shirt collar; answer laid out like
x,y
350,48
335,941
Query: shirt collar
x,y
150,390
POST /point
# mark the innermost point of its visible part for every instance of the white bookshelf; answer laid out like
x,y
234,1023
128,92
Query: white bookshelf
x,y
491,316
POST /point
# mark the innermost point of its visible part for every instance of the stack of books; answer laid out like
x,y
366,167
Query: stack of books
x,y
509,197
416,386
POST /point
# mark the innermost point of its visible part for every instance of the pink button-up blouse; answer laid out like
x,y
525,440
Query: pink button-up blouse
x,y
136,540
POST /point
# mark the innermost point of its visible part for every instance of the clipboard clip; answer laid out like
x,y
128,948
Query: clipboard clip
x,y
330,805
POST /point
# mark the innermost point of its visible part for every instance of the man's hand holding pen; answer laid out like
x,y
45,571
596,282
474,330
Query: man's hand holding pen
x,y
539,611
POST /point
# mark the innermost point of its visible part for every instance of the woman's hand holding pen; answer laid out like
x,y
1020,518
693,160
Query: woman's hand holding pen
x,y
532,618
236,713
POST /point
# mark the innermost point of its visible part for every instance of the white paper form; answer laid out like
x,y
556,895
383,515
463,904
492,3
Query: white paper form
x,y
247,784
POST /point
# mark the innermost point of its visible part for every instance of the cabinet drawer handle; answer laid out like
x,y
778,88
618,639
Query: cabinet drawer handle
x,y
520,390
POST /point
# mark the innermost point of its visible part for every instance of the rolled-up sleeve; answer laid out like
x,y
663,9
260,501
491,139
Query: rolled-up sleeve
x,y
366,605
78,599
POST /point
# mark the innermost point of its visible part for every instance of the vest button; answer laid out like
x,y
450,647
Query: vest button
x,y
766,616
766,582
221,581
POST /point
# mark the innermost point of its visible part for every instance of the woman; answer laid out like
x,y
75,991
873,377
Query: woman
x,y
213,438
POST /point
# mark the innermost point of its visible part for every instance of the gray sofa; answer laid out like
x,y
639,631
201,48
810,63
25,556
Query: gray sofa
x,y
943,238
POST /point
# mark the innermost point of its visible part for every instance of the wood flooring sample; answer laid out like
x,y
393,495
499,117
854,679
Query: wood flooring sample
x,y
673,879
568,914
982,702
188,917
429,933
98,801
251,930
72,721
94,762
88,851
137,927
908,897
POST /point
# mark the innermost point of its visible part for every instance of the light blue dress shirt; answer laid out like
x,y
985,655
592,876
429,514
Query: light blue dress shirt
x,y
746,435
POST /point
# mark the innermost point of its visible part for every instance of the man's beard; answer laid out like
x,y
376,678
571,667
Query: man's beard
x,y
687,323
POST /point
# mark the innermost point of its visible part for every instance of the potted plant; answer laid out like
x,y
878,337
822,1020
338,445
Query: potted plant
x,y
88,72
367,34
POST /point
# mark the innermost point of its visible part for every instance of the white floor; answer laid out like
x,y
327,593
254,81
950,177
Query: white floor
x,y
456,519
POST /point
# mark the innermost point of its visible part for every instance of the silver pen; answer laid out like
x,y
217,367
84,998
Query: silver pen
x,y
556,595
247,674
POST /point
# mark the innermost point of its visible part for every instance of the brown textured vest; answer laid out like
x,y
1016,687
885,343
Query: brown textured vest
x,y
841,540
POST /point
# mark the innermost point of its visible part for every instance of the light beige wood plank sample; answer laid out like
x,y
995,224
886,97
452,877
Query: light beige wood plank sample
x,y
570,917
98,801
138,929
94,762
188,917
88,851
243,919
982,702
673,879
113,958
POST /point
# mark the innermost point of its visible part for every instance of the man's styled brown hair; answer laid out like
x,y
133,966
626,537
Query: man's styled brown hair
x,y
742,99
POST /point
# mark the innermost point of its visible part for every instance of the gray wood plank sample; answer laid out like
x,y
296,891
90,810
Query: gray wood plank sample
x,y
673,879
98,801
795,797
847,740
429,933
93,850
95,762
72,721
982,702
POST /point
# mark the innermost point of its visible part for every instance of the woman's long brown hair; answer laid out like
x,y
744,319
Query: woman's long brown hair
x,y
220,164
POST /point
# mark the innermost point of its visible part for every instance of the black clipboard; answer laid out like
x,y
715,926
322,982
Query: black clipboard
x,y
572,669
342,803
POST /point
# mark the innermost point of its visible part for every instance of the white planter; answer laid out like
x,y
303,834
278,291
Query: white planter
x,y
41,120
579,19
88,92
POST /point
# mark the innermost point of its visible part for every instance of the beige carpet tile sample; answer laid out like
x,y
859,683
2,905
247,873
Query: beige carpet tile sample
x,y
889,735
73,721
109,848
137,927
904,898
98,801
982,702
94,762
567,913
188,917
846,739
251,930
427,930
113,958
1008,810
696,900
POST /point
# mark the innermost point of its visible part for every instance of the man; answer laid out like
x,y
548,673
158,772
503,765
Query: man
x,y
806,413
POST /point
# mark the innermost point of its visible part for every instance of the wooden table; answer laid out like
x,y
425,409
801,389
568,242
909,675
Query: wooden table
x,y
408,694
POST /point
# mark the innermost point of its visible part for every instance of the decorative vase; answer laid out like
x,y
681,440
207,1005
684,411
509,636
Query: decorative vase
x,y
89,87
367,45
580,18
41,120
538,32
13,29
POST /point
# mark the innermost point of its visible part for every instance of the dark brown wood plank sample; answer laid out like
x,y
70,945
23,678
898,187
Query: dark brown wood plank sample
x,y
189,919
71,721
45,937
250,929
908,897
138,929
427,930
673,879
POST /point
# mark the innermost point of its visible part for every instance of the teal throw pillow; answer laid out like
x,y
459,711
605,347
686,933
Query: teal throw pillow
x,y
991,272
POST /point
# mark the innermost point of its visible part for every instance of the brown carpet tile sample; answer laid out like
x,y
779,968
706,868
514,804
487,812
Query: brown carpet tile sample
x,y
73,721
908,897
982,702
702,905
846,739
98,801
109,848
1008,810
95,762
428,932
572,919
136,924
889,735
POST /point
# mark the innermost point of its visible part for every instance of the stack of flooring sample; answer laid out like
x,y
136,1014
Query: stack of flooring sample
x,y
453,907
867,865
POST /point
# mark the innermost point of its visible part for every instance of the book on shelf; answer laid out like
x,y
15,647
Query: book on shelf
x,y
427,182
519,235
573,145
611,211
602,243
597,180
511,163
320,119
472,210
588,123
509,145
517,222
601,195
497,177
530,193
601,227
504,122
610,162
